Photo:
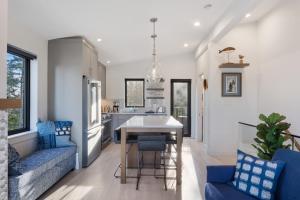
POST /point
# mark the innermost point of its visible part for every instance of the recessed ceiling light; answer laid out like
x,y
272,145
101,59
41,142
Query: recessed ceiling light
x,y
248,15
196,24
207,6
108,62
186,45
99,40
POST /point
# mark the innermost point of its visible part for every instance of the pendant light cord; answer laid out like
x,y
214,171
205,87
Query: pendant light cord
x,y
154,36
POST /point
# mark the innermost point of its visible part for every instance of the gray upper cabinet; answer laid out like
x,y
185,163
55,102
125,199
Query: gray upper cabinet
x,y
102,77
90,60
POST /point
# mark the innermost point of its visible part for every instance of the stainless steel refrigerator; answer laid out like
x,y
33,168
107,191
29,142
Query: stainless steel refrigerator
x,y
91,120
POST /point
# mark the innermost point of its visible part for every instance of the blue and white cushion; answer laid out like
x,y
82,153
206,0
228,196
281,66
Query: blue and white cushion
x,y
63,127
63,133
15,166
257,177
46,133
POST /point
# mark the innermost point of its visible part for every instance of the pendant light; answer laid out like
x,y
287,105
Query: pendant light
x,y
153,76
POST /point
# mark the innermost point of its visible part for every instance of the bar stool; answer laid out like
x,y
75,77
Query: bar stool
x,y
153,144
131,139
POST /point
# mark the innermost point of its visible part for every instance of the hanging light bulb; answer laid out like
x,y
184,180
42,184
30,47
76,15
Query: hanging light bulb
x,y
153,76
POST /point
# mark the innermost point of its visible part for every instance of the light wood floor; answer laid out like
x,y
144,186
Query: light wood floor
x,y
97,181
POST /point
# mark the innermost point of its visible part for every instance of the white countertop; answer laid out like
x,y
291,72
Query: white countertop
x,y
152,122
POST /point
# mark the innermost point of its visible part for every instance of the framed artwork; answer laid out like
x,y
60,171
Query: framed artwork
x,y
231,84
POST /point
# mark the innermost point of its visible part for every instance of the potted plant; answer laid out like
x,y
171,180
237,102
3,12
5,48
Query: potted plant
x,y
270,135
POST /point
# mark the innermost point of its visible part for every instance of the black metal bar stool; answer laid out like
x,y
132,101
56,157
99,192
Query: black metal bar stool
x,y
154,144
131,139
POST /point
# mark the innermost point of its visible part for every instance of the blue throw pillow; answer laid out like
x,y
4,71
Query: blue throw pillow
x,y
15,166
257,177
63,133
46,131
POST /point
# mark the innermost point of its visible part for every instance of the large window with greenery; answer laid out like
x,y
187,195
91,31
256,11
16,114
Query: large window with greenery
x,y
134,93
18,87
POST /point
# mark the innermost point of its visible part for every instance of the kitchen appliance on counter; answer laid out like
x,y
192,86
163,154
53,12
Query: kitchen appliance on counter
x,y
106,133
161,109
91,120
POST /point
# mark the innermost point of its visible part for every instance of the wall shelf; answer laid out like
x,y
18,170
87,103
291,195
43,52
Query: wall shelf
x,y
155,97
10,104
234,65
156,89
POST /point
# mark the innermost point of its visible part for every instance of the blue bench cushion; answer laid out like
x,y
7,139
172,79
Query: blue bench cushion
x,y
220,191
39,162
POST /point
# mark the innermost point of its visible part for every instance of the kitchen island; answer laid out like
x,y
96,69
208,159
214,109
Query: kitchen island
x,y
156,125
119,118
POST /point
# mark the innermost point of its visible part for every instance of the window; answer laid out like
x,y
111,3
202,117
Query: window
x,y
134,92
18,87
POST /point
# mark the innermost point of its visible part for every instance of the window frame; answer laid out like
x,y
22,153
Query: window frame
x,y
27,57
134,79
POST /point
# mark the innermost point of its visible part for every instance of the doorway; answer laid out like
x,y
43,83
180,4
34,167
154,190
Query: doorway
x,y
201,85
181,103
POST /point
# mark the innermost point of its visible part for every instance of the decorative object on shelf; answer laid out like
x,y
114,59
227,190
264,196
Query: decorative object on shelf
x,y
241,57
270,135
205,84
228,51
231,84
10,104
116,106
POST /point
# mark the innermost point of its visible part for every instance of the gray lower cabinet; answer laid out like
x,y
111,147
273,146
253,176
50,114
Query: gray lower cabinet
x,y
119,119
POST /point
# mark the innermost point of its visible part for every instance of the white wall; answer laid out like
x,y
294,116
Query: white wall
x,y
224,113
175,67
279,41
270,84
23,38
202,70
3,114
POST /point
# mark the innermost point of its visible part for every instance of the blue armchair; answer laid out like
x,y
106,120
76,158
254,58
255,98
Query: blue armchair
x,y
219,178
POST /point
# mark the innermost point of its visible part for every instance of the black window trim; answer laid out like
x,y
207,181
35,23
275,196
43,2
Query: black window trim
x,y
134,79
28,57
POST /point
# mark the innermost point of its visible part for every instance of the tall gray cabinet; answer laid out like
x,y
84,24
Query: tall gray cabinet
x,y
68,60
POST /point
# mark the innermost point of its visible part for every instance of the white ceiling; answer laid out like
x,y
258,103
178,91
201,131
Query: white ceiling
x,y
263,8
123,25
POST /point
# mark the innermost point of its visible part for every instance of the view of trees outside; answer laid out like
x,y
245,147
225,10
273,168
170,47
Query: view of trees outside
x,y
180,104
135,93
180,99
15,89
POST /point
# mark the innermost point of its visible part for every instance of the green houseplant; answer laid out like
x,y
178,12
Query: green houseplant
x,y
270,135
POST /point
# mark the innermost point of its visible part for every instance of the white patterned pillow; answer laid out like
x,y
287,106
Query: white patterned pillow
x,y
257,177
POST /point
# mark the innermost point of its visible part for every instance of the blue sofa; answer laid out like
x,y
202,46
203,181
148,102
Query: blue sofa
x,y
219,178
42,169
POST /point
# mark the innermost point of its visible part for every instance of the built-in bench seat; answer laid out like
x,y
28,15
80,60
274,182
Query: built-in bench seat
x,y
42,169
